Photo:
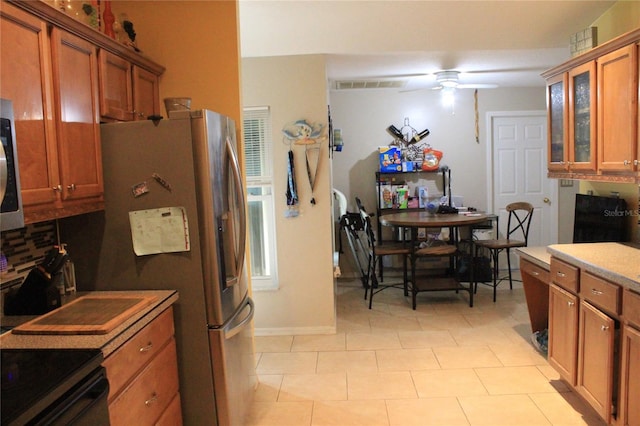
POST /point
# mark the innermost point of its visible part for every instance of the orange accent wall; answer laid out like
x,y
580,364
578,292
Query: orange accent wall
x,y
198,43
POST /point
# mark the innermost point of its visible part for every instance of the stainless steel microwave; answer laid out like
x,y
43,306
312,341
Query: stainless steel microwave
x,y
11,213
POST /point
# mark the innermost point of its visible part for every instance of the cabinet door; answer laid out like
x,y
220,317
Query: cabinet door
x,y
618,109
557,122
146,96
629,383
563,332
596,359
26,80
582,117
75,71
115,87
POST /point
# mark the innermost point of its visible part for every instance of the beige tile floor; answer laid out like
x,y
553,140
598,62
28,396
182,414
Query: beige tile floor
x,y
442,364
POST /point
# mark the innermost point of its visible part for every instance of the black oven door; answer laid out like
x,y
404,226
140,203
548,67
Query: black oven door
x,y
84,405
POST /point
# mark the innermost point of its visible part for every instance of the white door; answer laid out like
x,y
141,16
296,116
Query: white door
x,y
518,172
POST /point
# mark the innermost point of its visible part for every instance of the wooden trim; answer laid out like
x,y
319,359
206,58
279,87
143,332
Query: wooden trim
x,y
102,41
610,46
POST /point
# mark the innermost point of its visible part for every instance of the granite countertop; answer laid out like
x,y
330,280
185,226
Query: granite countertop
x,y
537,255
619,263
106,342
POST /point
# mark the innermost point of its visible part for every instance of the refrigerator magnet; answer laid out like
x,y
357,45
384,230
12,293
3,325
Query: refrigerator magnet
x,y
166,185
139,189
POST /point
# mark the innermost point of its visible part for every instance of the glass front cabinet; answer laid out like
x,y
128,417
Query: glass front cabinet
x,y
582,118
557,123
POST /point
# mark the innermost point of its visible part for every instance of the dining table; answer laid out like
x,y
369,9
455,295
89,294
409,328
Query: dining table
x,y
417,219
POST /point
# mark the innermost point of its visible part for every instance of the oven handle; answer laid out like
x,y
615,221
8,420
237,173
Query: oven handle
x,y
82,403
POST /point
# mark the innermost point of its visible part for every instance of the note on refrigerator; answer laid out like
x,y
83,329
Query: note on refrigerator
x,y
161,230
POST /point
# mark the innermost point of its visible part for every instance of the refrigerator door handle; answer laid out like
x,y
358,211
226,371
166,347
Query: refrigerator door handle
x,y
241,210
232,328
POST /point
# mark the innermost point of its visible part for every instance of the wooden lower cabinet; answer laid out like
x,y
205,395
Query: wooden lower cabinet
x,y
563,332
143,377
630,372
596,363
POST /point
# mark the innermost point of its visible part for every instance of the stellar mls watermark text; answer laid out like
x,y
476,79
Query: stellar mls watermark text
x,y
620,213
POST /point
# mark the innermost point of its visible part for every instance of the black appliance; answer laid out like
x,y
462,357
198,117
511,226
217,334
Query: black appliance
x,y
53,387
599,219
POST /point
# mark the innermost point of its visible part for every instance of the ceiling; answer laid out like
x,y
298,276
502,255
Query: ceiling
x,y
508,42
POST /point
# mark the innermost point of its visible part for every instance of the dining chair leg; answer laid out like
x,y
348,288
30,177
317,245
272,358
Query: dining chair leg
x,y
414,289
496,271
509,265
405,275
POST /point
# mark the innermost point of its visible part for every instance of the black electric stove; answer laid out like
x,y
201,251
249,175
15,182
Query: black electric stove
x,y
37,383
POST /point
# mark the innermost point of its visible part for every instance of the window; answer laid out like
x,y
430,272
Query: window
x,y
258,169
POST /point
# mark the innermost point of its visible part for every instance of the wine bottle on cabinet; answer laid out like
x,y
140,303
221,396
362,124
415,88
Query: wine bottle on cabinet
x,y
393,130
419,136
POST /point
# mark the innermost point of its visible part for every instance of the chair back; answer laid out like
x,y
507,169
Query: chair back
x,y
520,214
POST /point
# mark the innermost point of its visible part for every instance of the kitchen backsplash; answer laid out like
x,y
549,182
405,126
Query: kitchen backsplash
x,y
23,249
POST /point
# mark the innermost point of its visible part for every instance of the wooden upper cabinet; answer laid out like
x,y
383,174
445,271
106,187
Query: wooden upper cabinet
x,y
26,80
127,91
115,87
557,110
146,93
75,72
582,117
618,109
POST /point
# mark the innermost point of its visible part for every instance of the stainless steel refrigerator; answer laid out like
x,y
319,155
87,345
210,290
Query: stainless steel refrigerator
x,y
187,163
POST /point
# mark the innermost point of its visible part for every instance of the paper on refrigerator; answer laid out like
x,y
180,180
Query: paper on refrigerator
x,y
161,230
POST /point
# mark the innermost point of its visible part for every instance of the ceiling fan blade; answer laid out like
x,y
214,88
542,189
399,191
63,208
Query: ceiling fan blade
x,y
477,86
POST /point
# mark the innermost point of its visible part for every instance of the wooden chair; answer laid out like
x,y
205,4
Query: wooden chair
x,y
518,223
376,251
438,282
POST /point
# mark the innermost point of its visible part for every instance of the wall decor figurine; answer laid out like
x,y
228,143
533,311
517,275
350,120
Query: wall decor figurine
x,y
302,132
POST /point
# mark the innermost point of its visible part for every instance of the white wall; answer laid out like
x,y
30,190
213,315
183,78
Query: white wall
x,y
364,115
294,87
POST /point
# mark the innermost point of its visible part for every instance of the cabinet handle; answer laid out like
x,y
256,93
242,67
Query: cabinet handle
x,y
635,162
570,303
57,188
71,187
152,400
561,274
626,162
535,273
596,292
138,113
604,327
146,348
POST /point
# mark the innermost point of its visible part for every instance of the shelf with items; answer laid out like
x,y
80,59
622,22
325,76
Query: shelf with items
x,y
416,195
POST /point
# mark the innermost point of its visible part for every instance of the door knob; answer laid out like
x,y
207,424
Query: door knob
x,y
546,200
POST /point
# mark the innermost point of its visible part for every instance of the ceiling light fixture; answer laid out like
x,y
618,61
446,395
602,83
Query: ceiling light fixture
x,y
447,78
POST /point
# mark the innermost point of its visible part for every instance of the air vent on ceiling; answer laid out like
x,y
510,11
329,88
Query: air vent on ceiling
x,y
369,84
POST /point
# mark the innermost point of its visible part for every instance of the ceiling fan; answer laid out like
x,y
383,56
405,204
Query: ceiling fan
x,y
450,80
